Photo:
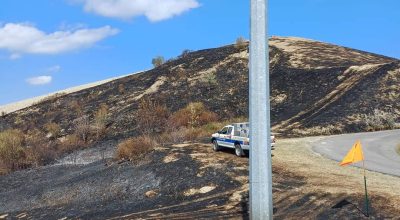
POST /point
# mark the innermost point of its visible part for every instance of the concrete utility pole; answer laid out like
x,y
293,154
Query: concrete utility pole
x,y
259,109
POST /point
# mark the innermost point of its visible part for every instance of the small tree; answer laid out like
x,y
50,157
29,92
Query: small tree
x,y
158,61
240,42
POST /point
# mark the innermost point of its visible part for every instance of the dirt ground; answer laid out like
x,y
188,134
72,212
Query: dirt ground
x,y
190,181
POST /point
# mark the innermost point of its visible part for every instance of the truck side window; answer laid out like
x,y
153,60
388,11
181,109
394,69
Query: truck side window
x,y
229,130
224,130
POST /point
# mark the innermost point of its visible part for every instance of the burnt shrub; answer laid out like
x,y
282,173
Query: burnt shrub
x,y
11,149
121,88
195,114
378,120
39,151
134,149
152,117
76,107
82,127
185,53
71,143
54,129
100,120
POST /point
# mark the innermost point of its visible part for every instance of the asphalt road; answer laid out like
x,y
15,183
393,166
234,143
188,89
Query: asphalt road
x,y
378,147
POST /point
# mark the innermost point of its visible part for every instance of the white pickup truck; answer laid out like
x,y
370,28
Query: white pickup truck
x,y
234,136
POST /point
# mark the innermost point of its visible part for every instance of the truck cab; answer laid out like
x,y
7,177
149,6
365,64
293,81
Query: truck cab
x,y
235,136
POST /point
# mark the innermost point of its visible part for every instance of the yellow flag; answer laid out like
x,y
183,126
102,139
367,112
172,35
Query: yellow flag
x,y
354,155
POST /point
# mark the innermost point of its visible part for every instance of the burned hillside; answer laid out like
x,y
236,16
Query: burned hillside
x,y
313,85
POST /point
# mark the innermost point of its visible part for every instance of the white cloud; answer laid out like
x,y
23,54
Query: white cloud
x,y
15,56
154,10
22,38
39,80
53,69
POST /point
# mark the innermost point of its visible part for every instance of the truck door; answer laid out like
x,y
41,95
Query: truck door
x,y
229,141
222,136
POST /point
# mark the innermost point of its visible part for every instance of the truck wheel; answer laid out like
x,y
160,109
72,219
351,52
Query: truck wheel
x,y
238,150
216,147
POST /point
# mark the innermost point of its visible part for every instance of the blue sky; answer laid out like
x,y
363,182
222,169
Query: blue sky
x,y
48,45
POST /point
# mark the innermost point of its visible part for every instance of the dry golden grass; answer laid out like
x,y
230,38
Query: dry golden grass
x,y
33,149
53,128
39,150
11,149
195,114
71,143
134,149
100,121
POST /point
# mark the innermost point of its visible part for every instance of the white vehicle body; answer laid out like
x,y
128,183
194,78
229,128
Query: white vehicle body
x,y
234,136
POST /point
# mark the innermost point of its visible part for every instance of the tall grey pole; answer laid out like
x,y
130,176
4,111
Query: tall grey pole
x,y
259,109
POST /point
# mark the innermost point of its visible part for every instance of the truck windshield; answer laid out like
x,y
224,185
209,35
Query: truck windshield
x,y
224,130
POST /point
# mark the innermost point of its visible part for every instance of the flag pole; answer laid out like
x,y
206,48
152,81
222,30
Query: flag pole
x,y
366,193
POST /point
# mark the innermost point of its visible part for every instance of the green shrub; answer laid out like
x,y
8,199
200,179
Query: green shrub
x,y
158,61
210,79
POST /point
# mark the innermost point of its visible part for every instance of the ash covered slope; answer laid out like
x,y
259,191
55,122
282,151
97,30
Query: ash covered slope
x,y
313,84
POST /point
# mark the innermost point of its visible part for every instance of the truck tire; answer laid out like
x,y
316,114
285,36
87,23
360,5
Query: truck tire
x,y
238,150
216,147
